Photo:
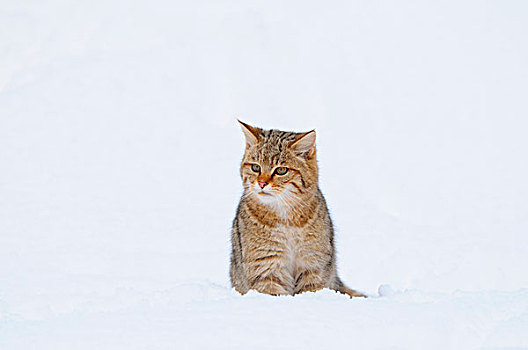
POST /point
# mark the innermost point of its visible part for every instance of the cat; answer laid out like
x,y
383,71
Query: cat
x,y
282,236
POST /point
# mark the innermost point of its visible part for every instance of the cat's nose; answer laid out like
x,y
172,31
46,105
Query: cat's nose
x,y
262,184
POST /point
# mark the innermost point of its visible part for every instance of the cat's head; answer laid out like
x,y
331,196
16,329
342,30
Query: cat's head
x,y
279,167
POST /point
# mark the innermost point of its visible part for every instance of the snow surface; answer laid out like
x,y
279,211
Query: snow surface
x,y
119,155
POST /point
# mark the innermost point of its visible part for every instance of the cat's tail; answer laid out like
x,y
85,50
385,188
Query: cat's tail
x,y
340,287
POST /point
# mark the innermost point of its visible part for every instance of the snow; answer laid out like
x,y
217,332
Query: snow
x,y
119,155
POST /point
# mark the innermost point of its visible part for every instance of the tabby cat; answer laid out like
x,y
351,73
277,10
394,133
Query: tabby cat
x,y
282,237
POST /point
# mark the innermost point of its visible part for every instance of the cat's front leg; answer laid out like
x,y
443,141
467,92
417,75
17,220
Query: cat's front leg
x,y
309,281
266,275
271,285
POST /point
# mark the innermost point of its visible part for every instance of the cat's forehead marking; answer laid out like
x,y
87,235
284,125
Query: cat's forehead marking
x,y
270,148
272,145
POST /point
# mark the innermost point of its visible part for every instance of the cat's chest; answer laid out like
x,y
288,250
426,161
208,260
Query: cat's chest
x,y
295,248
287,233
291,239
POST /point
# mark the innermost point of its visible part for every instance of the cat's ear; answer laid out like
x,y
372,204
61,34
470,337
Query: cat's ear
x,y
305,144
250,133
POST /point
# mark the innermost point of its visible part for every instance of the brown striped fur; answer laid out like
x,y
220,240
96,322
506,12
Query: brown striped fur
x,y
282,236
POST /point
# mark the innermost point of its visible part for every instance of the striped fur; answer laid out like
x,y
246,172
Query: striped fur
x,y
282,235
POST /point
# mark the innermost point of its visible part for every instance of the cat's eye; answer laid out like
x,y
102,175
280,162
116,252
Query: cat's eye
x,y
255,168
281,170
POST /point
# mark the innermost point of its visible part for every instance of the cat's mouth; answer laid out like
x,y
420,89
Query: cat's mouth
x,y
262,193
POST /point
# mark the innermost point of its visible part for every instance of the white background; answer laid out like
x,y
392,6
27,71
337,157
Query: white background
x,y
119,156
